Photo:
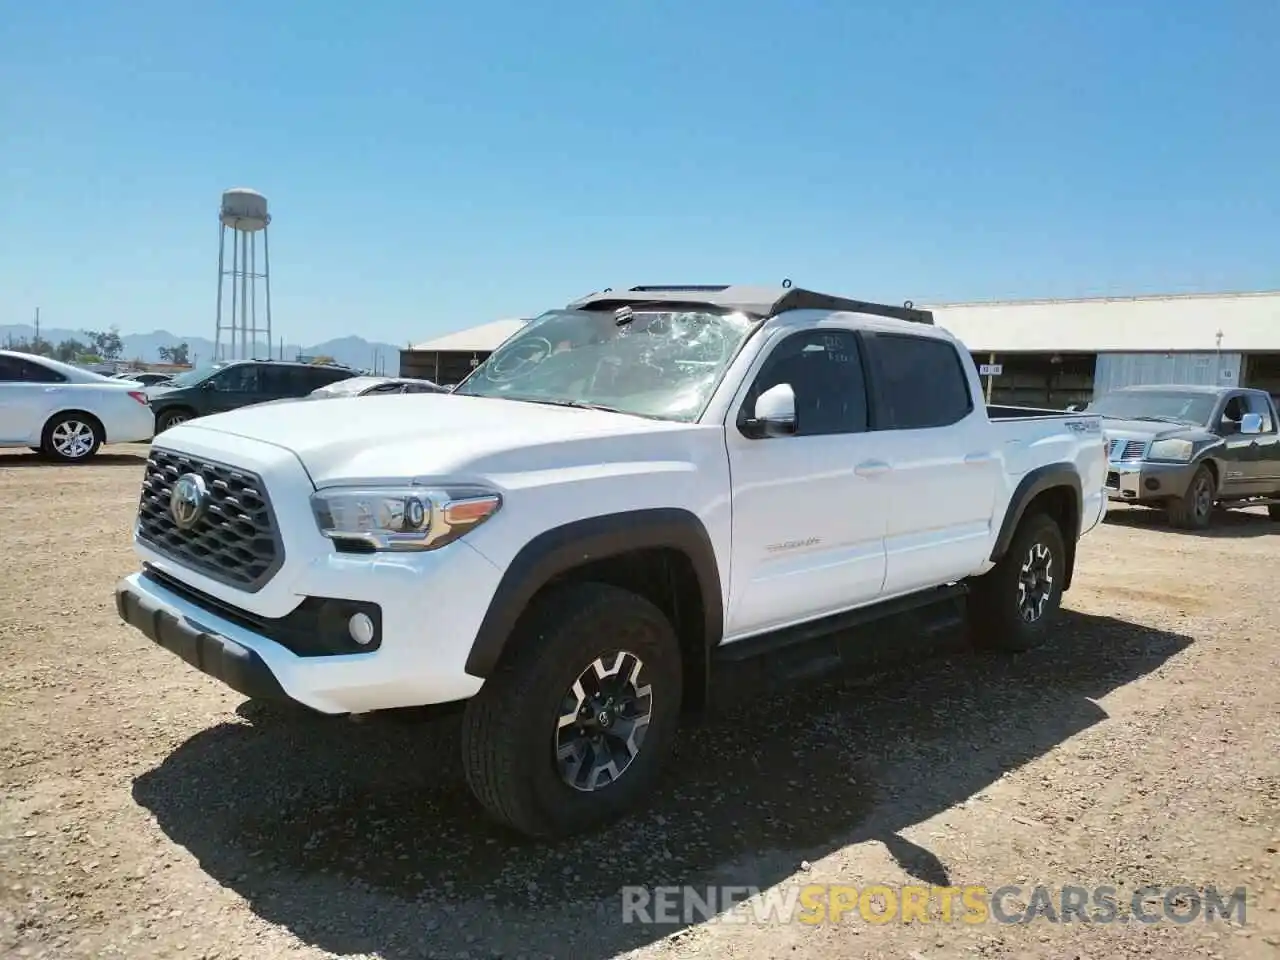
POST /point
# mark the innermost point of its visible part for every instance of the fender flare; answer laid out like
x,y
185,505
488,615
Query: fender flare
x,y
561,549
1034,483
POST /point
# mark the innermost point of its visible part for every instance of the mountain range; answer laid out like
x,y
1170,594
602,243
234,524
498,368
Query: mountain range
x,y
352,351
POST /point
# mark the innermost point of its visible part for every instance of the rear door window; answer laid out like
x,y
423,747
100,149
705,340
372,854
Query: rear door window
x,y
920,382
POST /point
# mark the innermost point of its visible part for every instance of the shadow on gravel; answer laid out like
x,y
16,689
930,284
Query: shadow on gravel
x,y
361,837
1226,524
97,460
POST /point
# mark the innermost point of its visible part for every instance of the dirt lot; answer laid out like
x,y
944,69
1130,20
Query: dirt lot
x,y
146,811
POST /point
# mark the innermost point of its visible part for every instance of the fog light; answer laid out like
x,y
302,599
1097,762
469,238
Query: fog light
x,y
360,626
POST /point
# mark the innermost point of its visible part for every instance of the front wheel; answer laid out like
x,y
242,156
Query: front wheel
x,y
71,438
1194,509
1012,604
573,728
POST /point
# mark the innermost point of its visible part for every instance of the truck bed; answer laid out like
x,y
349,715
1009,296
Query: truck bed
x,y
998,412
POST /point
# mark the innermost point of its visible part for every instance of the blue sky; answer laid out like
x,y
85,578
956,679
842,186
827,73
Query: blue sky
x,y
433,166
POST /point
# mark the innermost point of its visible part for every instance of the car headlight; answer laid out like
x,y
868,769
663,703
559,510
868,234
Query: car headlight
x,y
401,518
1176,450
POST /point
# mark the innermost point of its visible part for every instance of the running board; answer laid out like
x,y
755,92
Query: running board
x,y
827,627
858,642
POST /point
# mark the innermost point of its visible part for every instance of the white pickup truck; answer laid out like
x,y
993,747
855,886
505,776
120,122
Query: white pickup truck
x,y
627,493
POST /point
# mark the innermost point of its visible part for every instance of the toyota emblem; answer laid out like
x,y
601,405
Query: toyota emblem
x,y
188,500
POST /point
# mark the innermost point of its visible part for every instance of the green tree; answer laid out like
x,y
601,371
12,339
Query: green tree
x,y
106,343
69,351
37,345
177,354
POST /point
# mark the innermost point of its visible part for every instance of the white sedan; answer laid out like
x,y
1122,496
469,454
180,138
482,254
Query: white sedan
x,y
65,412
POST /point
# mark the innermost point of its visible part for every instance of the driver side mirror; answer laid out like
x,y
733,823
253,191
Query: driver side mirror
x,y
774,414
1251,423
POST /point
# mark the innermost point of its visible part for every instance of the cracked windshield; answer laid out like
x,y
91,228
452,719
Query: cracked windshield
x,y
650,363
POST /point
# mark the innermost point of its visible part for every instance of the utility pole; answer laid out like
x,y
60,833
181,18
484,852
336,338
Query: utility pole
x,y
37,324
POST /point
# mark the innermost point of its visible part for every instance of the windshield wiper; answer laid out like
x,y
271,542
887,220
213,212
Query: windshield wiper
x,y
1160,419
582,405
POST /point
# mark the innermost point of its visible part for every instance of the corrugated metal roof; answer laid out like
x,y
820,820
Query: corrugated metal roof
x,y
482,339
1249,322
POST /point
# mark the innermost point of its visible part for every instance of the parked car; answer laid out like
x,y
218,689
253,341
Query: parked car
x,y
374,386
67,413
629,494
1188,448
145,378
229,386
362,386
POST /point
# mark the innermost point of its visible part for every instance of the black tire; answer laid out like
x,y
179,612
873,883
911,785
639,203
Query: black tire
x,y
1274,511
1194,509
999,608
511,728
71,437
171,418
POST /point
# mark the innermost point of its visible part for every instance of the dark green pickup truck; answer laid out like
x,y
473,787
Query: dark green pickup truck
x,y
1189,448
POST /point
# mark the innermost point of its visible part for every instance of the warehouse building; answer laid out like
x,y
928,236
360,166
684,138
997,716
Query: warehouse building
x,y
1058,352
1050,353
446,360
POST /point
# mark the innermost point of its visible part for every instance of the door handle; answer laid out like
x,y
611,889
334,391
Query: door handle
x,y
871,468
977,458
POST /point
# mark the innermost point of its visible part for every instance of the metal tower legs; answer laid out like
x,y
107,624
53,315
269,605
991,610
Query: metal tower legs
x,y
238,336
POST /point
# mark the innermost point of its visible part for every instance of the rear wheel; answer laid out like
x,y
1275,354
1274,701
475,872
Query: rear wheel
x,y
1274,510
71,438
1194,509
1013,603
574,726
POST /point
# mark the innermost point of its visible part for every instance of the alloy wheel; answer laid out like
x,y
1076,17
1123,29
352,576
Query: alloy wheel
x,y
1203,498
604,718
1035,582
72,439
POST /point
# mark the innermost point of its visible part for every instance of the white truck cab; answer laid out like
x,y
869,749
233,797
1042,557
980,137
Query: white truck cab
x,y
629,493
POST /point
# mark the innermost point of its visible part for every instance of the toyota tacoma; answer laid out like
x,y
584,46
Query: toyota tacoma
x,y
628,494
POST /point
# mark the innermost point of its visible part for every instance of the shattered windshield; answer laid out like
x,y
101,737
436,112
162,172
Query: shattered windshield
x,y
646,361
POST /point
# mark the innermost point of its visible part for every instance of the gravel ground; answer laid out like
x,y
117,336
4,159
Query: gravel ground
x,y
146,811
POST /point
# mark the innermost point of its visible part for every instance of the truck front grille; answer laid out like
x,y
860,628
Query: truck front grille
x,y
1125,449
235,541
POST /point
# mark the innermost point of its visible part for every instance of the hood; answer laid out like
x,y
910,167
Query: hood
x,y
347,439
1150,429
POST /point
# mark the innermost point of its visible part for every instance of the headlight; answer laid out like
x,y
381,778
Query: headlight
x,y
1178,450
402,518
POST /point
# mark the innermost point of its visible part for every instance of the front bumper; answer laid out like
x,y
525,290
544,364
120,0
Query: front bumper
x,y
238,667
1143,480
432,606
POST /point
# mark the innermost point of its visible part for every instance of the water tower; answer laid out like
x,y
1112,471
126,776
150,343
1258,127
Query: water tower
x,y
244,213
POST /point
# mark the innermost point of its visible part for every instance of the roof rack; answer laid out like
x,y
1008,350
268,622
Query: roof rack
x,y
761,302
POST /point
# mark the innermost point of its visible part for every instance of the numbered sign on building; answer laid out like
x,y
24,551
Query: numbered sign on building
x,y
991,369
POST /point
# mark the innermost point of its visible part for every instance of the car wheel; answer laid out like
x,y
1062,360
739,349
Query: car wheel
x,y
1012,605
574,726
171,418
1194,509
1274,511
71,437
